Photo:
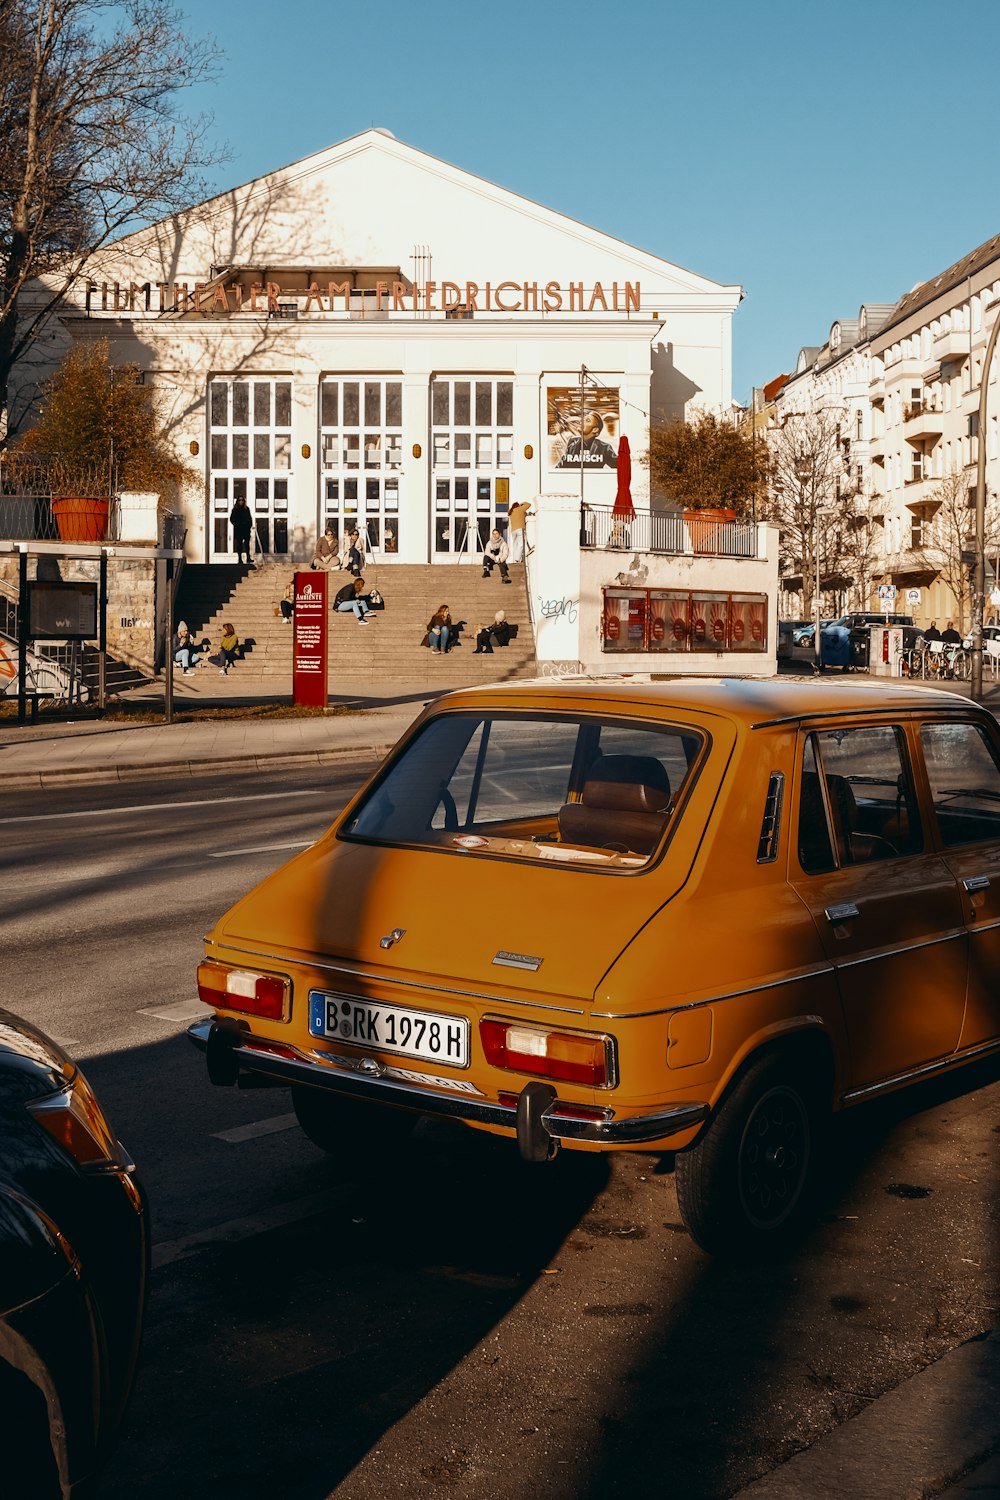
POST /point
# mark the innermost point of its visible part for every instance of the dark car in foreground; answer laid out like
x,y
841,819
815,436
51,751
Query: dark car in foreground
x,y
74,1254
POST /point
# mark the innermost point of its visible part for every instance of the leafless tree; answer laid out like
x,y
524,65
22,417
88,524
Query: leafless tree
x,y
91,144
809,500
947,544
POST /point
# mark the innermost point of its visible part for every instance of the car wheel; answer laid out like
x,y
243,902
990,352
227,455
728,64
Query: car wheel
x,y
744,1185
358,1133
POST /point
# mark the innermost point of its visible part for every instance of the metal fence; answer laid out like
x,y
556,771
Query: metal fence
x,y
32,508
661,531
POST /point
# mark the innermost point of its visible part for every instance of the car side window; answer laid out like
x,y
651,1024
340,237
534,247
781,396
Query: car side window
x,y
856,800
965,782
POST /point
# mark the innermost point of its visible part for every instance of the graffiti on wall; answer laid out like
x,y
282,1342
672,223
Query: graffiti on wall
x,y
565,608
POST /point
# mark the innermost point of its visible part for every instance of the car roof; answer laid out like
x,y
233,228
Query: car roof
x,y
752,701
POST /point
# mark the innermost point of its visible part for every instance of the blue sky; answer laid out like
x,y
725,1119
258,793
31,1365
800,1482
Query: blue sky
x,y
819,154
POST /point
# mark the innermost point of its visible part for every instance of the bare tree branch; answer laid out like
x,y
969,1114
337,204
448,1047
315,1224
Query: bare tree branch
x,y
91,143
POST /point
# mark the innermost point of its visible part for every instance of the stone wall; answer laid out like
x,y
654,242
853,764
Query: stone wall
x,y
133,598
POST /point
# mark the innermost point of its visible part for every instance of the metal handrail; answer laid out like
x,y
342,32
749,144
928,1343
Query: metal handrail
x,y
664,531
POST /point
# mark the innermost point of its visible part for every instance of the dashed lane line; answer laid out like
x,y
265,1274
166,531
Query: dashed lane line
x,y
259,849
241,1133
166,1252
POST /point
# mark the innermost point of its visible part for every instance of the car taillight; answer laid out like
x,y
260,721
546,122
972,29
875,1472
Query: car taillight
x,y
243,990
74,1119
575,1057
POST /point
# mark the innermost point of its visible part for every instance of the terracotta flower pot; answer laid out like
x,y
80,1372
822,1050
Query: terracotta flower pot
x,y
80,520
703,526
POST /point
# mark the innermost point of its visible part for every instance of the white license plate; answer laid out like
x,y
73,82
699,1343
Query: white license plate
x,y
390,1028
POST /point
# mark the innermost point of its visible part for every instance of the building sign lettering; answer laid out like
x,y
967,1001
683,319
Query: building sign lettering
x,y
220,298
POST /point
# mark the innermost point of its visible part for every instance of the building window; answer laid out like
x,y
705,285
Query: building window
x,y
250,446
361,457
472,456
671,621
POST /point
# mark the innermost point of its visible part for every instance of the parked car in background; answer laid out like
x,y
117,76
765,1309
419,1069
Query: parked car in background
x,y
74,1249
697,918
787,630
990,633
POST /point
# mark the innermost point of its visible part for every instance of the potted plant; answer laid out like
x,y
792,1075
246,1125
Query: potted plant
x,y
98,433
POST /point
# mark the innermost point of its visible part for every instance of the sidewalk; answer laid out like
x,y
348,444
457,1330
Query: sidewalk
x,y
36,756
53,753
936,1435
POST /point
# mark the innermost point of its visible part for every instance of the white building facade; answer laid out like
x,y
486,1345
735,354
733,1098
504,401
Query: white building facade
x,y
373,338
906,382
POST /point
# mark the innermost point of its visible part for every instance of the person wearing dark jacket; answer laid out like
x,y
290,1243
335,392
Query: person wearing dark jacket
x,y
242,523
439,630
349,600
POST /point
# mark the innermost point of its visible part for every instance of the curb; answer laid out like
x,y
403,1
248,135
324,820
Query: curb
x,y
37,781
918,1440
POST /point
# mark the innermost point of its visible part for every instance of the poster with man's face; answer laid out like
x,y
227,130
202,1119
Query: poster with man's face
x,y
582,430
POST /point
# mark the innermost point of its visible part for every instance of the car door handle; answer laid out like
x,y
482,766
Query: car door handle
x,y
976,883
842,912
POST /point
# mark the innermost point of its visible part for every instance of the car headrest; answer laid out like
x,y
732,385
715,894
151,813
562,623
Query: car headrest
x,y
627,783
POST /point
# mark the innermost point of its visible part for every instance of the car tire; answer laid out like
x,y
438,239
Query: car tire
x,y
745,1185
359,1133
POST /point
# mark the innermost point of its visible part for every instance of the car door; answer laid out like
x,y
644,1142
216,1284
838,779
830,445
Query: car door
x,y
961,761
886,905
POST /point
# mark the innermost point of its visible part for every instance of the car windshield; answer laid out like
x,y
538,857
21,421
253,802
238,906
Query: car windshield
x,y
570,790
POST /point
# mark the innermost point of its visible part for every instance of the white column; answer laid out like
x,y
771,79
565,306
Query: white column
x,y
416,485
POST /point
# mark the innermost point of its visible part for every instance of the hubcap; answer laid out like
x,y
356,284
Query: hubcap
x,y
774,1158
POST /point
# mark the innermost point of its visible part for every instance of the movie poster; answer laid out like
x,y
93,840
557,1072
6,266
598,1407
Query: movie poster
x,y
596,410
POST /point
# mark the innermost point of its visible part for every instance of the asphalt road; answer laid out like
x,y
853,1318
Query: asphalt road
x,y
457,1323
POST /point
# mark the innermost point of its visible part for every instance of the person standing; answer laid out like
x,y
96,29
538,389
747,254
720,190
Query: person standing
x,y
516,518
495,554
950,635
348,600
242,523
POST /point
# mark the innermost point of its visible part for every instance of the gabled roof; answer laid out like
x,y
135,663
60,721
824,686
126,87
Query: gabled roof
x,y
926,291
369,199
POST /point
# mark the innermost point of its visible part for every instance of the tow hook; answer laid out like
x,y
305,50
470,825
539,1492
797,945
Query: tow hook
x,y
223,1065
533,1139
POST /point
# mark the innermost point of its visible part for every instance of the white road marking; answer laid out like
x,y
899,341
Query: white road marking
x,y
184,1010
168,1251
242,1133
259,849
168,807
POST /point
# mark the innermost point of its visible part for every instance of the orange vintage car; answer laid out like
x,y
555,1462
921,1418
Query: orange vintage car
x,y
677,917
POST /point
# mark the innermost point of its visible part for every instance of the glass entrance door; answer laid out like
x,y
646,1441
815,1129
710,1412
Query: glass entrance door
x,y
361,448
472,454
250,446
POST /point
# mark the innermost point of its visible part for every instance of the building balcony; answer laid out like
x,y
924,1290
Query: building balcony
x,y
904,369
922,425
952,346
918,493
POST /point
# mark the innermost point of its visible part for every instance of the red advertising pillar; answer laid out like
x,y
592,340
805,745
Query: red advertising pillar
x,y
309,648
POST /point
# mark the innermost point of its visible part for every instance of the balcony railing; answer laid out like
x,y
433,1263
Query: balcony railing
x,y
29,518
665,532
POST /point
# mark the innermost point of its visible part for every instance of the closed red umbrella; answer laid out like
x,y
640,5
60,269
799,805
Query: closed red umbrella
x,y
623,507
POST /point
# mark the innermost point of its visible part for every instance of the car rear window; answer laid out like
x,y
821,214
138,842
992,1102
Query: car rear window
x,y
570,790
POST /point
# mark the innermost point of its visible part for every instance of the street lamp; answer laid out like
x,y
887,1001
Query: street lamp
x,y
979,576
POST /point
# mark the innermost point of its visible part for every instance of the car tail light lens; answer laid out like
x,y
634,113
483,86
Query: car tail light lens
x,y
75,1120
243,990
574,1057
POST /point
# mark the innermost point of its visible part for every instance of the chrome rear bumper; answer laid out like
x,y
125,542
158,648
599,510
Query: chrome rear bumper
x,y
233,1050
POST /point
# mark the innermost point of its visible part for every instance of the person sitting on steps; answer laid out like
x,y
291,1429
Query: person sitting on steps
x,y
495,554
348,600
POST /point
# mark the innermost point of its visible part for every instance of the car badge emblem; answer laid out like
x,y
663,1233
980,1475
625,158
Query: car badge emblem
x,y
517,960
392,937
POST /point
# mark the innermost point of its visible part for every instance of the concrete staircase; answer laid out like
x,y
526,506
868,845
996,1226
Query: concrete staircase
x,y
388,648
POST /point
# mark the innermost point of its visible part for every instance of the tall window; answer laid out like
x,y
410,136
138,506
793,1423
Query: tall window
x,y
250,446
361,456
472,455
